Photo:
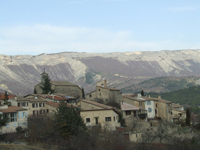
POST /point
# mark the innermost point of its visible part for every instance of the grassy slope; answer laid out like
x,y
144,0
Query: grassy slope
x,y
190,96
162,84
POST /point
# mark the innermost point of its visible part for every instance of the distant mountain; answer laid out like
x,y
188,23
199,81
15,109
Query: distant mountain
x,y
18,74
162,84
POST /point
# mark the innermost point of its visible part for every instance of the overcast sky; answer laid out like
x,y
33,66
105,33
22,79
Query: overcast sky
x,y
50,26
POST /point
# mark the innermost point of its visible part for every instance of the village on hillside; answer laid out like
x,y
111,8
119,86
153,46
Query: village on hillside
x,y
136,117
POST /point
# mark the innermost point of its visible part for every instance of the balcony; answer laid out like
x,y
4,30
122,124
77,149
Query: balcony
x,y
142,113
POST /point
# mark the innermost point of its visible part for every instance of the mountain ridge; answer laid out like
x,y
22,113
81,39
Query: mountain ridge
x,y
121,69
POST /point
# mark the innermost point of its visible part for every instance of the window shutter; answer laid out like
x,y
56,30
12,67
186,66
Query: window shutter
x,y
22,115
25,114
19,114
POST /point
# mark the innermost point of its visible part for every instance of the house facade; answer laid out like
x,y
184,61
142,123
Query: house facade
x,y
94,114
17,117
105,93
155,107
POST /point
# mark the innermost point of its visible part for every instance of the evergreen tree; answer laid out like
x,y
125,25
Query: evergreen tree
x,y
68,121
6,98
3,121
142,93
187,120
46,86
83,93
34,92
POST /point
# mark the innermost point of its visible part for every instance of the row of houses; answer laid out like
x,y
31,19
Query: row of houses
x,y
94,109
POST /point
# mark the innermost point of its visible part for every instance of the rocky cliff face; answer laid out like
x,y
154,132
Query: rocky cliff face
x,y
18,74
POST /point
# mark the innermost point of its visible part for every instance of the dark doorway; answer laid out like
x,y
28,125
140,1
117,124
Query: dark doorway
x,y
96,120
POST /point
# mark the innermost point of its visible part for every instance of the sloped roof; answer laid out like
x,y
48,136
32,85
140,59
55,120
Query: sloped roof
x,y
125,106
56,105
12,109
2,96
176,105
99,110
97,104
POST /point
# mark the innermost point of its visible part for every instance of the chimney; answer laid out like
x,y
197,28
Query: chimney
x,y
159,96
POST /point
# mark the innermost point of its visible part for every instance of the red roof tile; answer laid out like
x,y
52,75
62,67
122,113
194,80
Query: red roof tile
x,y
56,105
2,96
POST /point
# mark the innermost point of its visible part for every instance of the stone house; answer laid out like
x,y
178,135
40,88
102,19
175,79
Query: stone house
x,y
94,114
105,93
35,104
62,87
130,114
178,112
155,107
17,118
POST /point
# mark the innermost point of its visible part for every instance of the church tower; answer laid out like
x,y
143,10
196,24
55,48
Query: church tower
x,y
44,75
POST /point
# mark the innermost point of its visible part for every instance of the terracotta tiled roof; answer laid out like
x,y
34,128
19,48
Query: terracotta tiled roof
x,y
97,104
56,105
125,106
58,98
11,109
2,96
100,110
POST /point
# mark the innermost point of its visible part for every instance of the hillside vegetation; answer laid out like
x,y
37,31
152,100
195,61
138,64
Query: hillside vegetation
x,y
162,84
189,96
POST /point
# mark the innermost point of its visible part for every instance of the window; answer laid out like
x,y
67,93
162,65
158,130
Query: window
x,y
156,105
24,123
23,114
43,104
43,111
87,119
24,104
99,90
19,115
7,125
149,109
14,125
18,104
134,113
40,104
107,119
128,112
27,103
19,124
40,111
33,105
13,117
34,113
114,118
47,111
100,94
90,95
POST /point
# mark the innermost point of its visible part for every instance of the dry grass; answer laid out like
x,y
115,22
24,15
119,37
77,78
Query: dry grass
x,y
19,147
